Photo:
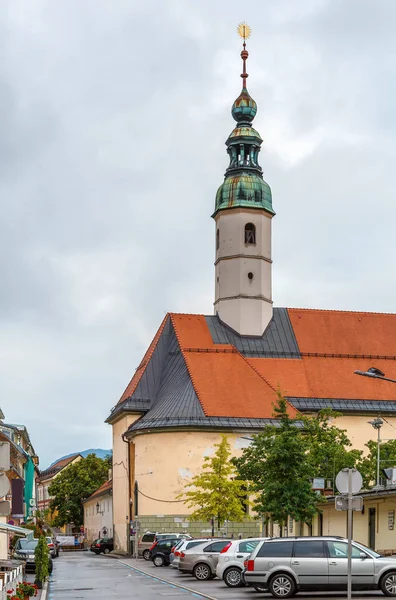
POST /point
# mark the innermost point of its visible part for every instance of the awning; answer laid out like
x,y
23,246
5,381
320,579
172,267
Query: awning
x,y
16,530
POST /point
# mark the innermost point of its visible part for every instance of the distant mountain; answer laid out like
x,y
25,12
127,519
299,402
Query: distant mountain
x,y
100,453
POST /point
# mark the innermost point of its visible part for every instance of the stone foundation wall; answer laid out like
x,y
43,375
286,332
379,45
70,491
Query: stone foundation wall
x,y
181,524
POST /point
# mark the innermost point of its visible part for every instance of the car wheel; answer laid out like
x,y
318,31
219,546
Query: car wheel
x,y
146,554
260,588
106,551
233,577
202,572
158,560
282,586
388,584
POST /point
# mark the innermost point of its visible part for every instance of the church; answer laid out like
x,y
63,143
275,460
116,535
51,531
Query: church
x,y
207,375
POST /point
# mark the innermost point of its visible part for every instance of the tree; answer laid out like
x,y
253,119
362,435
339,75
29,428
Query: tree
x,y
282,461
368,465
217,494
41,560
74,485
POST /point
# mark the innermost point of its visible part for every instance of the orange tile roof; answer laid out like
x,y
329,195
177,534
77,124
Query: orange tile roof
x,y
338,332
226,384
132,385
103,489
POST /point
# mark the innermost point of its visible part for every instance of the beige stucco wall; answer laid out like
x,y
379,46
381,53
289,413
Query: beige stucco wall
x,y
360,431
95,521
121,497
334,522
166,461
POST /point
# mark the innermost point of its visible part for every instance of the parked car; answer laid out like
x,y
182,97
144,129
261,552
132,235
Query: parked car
x,y
149,538
201,560
182,546
231,559
285,566
53,547
104,545
160,551
24,550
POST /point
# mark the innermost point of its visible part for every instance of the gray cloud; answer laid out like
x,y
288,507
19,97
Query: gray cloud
x,y
113,120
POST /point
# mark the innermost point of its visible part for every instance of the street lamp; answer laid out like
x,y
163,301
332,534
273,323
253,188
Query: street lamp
x,y
376,373
377,424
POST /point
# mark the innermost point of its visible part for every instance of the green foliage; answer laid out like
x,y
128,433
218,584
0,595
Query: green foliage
x,y
217,493
368,465
41,555
282,461
74,485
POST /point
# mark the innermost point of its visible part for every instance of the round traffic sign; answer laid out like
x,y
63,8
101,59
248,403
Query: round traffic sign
x,y
343,478
4,485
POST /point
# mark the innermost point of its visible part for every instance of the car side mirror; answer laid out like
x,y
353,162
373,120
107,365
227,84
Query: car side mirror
x,y
363,555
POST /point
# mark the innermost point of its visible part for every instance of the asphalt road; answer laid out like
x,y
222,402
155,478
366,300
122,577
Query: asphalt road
x,y
86,576
83,575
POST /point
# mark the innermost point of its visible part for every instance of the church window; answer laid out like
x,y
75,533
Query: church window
x,y
250,233
217,239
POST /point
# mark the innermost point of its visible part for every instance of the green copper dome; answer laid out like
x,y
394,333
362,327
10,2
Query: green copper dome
x,y
245,189
243,131
244,108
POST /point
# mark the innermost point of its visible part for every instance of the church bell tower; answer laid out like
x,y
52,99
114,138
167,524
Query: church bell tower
x,y
243,214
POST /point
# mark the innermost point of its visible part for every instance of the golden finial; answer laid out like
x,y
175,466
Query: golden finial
x,y
245,31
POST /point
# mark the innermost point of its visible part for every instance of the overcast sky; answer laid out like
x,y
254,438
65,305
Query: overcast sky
x,y
113,122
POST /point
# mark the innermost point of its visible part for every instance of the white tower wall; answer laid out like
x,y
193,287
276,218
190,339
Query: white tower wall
x,y
243,297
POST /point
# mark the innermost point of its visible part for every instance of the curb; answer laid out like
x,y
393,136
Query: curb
x,y
182,587
44,591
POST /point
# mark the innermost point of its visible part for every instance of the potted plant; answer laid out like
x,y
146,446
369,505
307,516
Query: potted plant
x,y
23,591
41,555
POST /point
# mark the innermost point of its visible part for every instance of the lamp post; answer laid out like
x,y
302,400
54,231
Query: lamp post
x,y
378,422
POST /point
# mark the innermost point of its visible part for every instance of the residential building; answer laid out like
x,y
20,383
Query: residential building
x,y
47,476
206,375
98,513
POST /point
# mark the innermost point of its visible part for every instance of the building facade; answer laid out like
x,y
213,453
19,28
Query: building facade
x,y
45,479
203,376
98,513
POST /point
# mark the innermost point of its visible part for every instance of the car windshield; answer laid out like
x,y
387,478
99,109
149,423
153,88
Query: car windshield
x,y
28,544
368,550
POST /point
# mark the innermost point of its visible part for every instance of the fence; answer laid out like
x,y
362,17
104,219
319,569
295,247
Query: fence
x,y
9,580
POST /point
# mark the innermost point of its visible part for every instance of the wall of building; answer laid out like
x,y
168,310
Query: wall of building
x,y
360,431
95,521
334,522
121,491
166,461
179,523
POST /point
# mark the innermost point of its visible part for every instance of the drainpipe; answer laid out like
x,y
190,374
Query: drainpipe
x,y
129,516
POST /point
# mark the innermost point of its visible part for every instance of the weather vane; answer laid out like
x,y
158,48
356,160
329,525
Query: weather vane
x,y
244,31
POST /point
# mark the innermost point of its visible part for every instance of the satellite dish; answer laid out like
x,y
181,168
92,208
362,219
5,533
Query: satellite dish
x,y
4,485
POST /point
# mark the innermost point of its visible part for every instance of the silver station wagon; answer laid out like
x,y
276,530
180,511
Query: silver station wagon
x,y
285,566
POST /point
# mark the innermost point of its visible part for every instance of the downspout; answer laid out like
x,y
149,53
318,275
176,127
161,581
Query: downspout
x,y
129,516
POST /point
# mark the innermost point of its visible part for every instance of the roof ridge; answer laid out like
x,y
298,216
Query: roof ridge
x,y
185,361
330,310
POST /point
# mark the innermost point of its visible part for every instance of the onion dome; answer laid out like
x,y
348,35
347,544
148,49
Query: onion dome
x,y
244,108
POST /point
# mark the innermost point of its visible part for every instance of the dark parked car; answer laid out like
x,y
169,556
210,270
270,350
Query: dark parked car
x,y
160,552
24,550
104,545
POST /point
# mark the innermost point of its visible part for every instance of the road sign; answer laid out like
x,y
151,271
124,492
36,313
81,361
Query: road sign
x,y
4,484
341,503
342,481
4,456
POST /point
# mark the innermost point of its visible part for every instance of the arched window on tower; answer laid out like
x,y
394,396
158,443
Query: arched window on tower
x,y
250,233
217,239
